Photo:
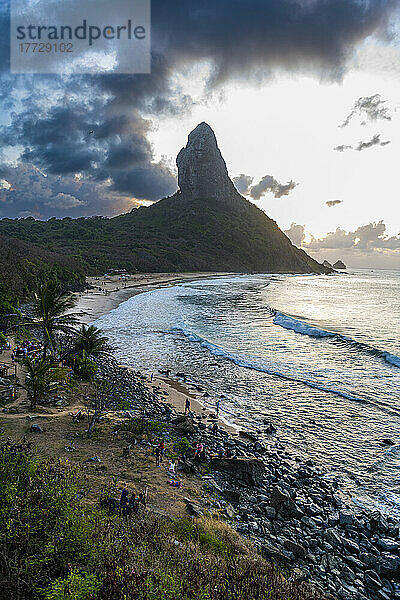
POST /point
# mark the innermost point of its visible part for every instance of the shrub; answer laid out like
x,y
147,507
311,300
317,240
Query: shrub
x,y
182,446
83,368
77,586
141,426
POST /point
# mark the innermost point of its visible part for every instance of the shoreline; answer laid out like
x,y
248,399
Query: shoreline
x,y
176,395
94,303
108,292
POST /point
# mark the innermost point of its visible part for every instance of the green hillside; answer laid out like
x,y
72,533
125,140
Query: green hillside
x,y
175,234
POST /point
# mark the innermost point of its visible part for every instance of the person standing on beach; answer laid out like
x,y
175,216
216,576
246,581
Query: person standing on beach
x,y
187,406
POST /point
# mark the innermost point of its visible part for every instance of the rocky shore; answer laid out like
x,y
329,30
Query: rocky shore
x,y
292,510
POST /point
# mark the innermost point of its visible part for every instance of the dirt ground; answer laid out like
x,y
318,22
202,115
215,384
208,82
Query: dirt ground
x,y
66,439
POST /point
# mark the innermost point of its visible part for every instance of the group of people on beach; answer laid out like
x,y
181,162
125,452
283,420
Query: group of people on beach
x,y
4,345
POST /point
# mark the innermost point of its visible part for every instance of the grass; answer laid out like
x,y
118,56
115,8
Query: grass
x,y
57,547
140,426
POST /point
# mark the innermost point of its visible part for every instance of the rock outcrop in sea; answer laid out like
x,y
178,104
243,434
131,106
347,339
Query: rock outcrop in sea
x,y
339,265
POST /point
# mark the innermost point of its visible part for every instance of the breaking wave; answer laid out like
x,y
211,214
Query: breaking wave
x,y
303,328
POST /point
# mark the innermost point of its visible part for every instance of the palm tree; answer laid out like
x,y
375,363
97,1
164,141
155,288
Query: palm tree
x,y
50,305
42,377
90,342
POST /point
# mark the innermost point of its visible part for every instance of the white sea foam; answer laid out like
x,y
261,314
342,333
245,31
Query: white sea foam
x,y
303,328
260,365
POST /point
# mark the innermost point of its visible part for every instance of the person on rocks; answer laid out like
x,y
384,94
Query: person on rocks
x,y
221,452
161,447
175,482
198,452
228,453
157,453
171,468
215,429
187,406
133,504
142,499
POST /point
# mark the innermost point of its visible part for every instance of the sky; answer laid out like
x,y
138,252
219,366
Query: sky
x,y
303,96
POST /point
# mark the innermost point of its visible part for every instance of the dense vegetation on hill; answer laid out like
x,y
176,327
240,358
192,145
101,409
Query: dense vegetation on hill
x,y
24,266
55,546
175,234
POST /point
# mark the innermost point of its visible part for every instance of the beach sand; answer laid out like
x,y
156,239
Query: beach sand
x,y
175,393
108,292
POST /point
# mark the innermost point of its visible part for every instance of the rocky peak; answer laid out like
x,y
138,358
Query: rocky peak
x,y
339,265
202,171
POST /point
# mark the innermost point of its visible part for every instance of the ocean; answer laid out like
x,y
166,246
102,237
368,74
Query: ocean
x,y
317,356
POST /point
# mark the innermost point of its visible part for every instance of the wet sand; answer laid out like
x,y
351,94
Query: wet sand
x,y
176,395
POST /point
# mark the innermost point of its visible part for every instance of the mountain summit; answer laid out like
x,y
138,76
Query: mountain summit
x,y
205,226
202,171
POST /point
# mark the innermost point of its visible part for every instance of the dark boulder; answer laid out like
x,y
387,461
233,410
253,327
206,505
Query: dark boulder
x,y
249,470
35,428
296,549
184,424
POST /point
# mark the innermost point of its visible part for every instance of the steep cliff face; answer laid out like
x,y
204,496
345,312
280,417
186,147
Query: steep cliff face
x,y
202,171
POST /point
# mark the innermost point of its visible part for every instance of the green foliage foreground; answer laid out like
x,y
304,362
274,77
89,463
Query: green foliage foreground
x,y
54,546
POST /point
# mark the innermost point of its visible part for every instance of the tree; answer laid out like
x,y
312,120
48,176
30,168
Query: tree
x,y
43,376
87,344
89,341
50,305
8,308
104,396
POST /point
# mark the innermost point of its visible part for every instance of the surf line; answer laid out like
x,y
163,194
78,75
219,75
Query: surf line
x,y
241,362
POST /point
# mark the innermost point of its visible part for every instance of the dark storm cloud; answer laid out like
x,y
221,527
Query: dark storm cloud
x,y
238,39
243,183
375,141
331,203
151,182
27,191
75,139
371,108
238,36
270,184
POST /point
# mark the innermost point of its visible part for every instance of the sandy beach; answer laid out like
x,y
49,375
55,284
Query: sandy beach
x,y
109,291
175,393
